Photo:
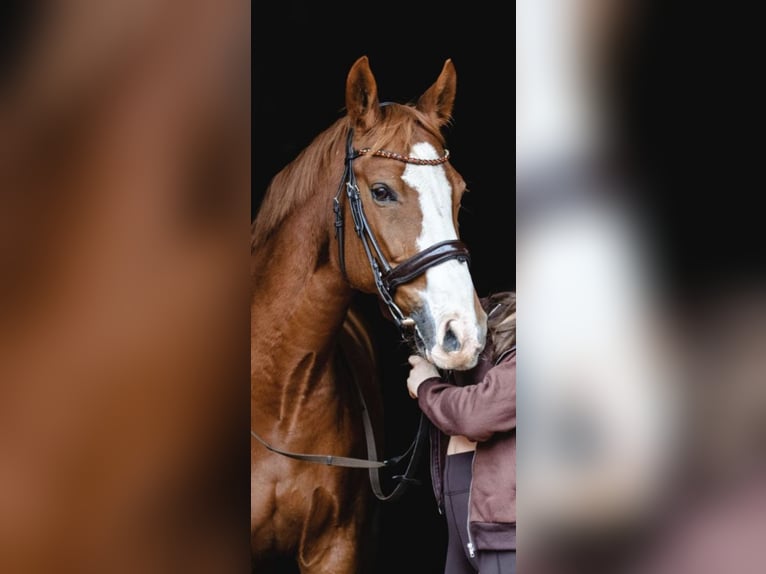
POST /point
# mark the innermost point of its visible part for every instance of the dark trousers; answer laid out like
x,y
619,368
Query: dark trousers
x,y
457,482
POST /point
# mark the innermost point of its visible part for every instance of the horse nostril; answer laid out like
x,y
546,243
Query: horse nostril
x,y
450,341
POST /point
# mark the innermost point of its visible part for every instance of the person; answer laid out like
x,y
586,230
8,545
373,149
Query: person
x,y
473,446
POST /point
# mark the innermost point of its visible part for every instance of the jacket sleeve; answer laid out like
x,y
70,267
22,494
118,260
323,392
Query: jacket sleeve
x,y
474,411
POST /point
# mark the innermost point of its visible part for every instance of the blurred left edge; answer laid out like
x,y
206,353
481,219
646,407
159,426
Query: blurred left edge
x,y
124,225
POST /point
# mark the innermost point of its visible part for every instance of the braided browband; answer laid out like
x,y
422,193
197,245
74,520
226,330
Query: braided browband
x,y
403,158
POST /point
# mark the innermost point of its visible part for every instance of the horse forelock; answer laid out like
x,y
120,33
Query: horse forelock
x,y
398,126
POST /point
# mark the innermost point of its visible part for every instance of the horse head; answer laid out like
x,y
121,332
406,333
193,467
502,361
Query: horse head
x,y
403,196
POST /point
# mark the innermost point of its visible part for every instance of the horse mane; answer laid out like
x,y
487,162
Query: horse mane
x,y
303,177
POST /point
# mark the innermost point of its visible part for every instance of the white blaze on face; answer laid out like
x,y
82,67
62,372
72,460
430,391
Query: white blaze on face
x,y
449,291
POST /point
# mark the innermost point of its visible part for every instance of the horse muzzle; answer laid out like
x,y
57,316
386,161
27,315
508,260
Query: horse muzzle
x,y
453,342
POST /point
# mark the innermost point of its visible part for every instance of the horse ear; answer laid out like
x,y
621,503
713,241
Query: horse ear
x,y
437,101
362,94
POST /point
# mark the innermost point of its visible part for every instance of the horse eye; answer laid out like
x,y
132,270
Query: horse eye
x,y
382,193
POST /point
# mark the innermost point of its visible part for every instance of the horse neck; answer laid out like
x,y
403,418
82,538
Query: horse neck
x,y
299,301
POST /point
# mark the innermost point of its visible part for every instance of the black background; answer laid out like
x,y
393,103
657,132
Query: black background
x,y
302,52
691,106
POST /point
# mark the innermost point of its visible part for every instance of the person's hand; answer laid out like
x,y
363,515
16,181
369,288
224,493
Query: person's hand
x,y
420,371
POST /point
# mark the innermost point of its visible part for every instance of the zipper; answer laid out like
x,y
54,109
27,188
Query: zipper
x,y
470,545
437,471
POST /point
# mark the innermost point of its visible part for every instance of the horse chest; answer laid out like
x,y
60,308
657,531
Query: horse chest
x,y
306,503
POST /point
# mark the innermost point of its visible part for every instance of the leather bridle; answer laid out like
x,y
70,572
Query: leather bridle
x,y
387,280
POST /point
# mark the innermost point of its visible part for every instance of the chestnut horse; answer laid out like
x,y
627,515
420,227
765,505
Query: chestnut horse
x,y
370,206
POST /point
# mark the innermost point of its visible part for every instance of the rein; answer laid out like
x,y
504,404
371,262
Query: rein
x,y
387,279
414,451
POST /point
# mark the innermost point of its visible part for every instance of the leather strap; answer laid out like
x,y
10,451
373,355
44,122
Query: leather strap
x,y
420,262
414,451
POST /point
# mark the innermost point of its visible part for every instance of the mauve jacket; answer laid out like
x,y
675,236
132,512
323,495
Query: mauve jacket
x,y
481,406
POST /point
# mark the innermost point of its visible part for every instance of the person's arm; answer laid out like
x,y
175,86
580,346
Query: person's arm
x,y
474,411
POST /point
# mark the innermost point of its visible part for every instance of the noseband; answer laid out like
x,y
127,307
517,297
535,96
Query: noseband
x,y
387,278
